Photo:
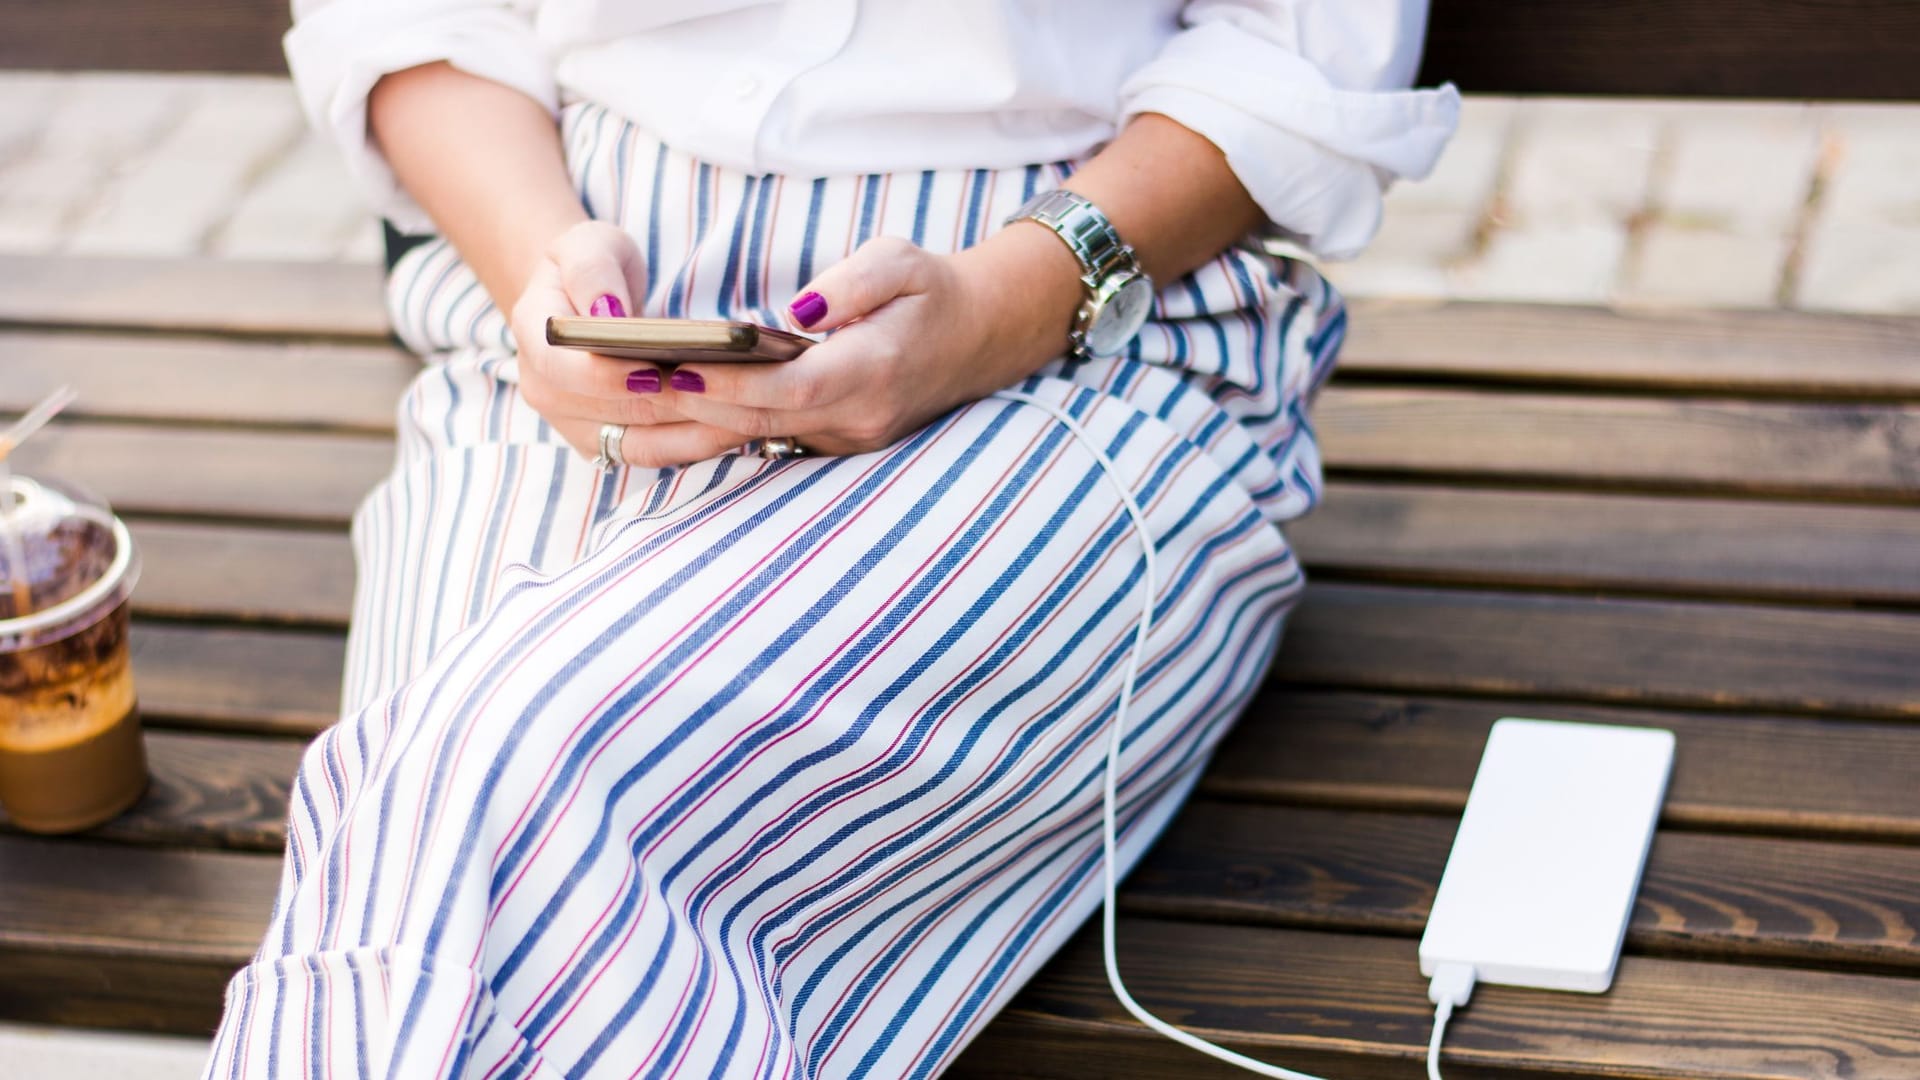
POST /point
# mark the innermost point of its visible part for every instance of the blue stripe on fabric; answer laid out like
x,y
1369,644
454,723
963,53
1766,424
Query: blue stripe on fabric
x,y
1042,775
920,204
762,581
736,250
1084,824
654,210
805,260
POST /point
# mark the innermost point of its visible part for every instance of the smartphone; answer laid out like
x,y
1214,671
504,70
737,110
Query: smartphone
x,y
674,341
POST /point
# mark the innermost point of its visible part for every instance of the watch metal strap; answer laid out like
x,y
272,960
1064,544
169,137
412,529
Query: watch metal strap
x,y
1084,229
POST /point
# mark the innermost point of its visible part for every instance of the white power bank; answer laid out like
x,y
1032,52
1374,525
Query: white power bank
x,y
1541,881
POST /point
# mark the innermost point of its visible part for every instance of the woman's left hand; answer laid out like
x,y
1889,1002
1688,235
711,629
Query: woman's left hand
x,y
915,335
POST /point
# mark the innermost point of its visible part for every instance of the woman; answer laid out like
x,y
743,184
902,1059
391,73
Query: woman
x,y
749,720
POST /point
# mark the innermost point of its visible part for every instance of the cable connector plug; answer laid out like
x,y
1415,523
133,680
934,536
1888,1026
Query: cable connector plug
x,y
1451,988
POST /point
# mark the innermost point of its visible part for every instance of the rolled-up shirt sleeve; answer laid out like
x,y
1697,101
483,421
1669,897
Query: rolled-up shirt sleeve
x,y
1308,100
338,49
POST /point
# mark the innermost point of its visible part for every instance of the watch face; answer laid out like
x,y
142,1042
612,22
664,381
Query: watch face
x,y
1121,317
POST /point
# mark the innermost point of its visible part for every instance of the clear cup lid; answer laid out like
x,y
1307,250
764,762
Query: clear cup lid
x,y
65,555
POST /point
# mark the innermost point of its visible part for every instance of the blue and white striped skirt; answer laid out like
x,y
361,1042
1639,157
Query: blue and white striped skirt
x,y
767,769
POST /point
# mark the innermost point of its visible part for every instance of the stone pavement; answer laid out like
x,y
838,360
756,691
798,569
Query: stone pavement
x,y
1616,201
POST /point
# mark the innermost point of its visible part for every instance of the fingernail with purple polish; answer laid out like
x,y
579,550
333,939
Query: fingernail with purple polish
x,y
608,307
644,381
689,381
808,308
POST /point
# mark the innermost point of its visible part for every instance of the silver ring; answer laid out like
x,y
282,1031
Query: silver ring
x,y
611,435
779,447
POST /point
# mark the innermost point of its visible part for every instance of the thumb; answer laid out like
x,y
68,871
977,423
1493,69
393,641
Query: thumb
x,y
878,271
601,269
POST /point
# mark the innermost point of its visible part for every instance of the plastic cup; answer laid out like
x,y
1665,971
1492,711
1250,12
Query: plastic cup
x,y
71,755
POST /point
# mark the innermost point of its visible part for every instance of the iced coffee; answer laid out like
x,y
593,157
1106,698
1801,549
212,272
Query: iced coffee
x,y
70,749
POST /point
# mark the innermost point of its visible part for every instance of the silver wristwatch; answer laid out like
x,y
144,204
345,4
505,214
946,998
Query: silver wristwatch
x,y
1119,295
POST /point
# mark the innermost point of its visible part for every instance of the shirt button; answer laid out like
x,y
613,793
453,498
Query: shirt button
x,y
745,87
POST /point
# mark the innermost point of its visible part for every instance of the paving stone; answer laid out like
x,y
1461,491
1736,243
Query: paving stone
x,y
1390,278
1737,169
1861,267
33,1052
166,203
1876,168
304,207
26,97
367,244
1440,237
1579,162
1675,266
1465,178
1576,262
93,124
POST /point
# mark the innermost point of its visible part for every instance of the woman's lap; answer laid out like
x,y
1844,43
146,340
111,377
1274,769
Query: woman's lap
x,y
787,741
764,768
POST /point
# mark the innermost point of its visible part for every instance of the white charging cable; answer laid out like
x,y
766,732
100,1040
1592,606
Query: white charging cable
x,y
1446,996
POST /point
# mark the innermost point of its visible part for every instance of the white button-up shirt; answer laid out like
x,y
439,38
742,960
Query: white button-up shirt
x,y
1306,98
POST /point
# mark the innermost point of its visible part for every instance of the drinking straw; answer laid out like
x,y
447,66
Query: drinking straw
x,y
33,420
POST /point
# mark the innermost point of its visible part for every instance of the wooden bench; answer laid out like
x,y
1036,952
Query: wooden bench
x,y
1704,521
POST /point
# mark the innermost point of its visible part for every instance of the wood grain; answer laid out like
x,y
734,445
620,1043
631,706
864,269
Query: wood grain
x,y
1856,451
1778,48
1865,49
1773,353
1745,657
243,572
1752,773
194,905
208,380
1830,904
1778,776
116,936
1728,656
214,35
286,475
284,682
1717,547
1859,451
287,300
1397,532
211,791
1356,1007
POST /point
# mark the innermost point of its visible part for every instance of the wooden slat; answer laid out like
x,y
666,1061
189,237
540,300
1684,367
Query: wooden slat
x,y
213,35
1309,996
1734,656
1779,48
1356,1007
1649,652
211,791
1827,904
1744,772
208,380
240,572
1776,775
1865,451
327,300
1729,547
72,895
1390,531
1717,352
1854,451
1772,353
291,475
274,681
1867,49
115,936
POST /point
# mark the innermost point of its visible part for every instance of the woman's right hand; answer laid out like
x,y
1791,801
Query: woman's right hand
x,y
595,268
